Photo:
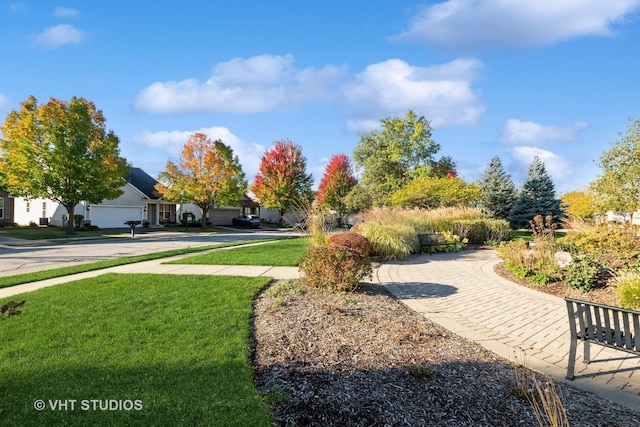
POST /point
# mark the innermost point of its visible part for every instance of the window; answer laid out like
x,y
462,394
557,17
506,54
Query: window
x,y
167,213
44,210
28,206
1,207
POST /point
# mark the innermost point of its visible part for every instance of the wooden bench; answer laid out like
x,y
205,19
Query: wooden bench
x,y
432,240
605,325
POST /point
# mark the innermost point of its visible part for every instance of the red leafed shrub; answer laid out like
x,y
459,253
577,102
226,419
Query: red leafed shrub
x,y
335,268
355,242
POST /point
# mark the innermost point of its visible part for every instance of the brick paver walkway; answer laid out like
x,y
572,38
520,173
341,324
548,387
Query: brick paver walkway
x,y
461,292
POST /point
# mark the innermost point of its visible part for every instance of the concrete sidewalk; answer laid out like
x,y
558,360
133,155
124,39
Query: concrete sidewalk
x,y
461,292
156,267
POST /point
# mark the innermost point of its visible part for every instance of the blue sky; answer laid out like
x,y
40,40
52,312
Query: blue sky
x,y
556,78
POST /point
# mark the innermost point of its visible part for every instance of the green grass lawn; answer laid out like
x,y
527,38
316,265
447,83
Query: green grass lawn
x,y
286,252
45,233
528,235
179,345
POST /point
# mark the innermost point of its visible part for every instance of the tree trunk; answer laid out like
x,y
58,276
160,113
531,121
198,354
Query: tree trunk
x,y
70,220
205,211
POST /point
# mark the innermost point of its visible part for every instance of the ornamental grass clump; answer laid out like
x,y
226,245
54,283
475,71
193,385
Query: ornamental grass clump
x,y
627,287
338,266
391,242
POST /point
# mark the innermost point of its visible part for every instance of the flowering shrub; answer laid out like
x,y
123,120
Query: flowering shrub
x,y
353,241
335,268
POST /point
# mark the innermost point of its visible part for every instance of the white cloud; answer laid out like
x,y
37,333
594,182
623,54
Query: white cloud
x,y
442,93
172,142
66,12
526,132
18,7
468,25
4,101
59,35
558,167
258,84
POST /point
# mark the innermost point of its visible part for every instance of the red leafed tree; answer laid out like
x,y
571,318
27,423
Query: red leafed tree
x,y
282,179
337,181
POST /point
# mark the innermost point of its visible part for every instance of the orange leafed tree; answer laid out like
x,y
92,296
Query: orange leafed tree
x,y
208,175
337,181
282,179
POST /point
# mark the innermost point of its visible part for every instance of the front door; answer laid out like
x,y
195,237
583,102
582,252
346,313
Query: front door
x,y
152,215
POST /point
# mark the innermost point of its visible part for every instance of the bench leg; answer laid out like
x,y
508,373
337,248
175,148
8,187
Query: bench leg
x,y
572,359
587,353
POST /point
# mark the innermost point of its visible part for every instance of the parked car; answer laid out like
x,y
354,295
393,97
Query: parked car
x,y
251,221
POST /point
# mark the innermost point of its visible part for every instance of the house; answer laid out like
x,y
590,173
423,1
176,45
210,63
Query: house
x,y
6,209
138,202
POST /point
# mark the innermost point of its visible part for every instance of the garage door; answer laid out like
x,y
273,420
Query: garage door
x,y
114,216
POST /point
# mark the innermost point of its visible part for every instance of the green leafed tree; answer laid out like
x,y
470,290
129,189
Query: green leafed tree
x,y
391,157
498,191
282,180
537,197
61,151
336,183
618,186
208,175
431,193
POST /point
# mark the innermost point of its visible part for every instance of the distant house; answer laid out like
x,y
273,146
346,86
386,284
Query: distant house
x,y
138,202
6,209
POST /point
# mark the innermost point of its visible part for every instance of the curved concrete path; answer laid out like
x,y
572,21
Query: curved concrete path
x,y
461,292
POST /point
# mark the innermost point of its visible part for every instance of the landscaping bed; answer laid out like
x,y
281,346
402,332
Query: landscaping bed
x,y
363,359
601,295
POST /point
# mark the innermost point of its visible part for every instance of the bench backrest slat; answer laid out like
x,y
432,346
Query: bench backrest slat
x,y
607,323
636,328
628,333
431,238
616,326
591,334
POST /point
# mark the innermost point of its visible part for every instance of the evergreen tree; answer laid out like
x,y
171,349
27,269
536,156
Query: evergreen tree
x,y
537,197
498,191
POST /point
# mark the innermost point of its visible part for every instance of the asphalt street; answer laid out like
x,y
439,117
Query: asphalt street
x,y
18,257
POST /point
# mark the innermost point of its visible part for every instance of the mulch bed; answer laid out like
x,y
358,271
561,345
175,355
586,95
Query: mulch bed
x,y
365,359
